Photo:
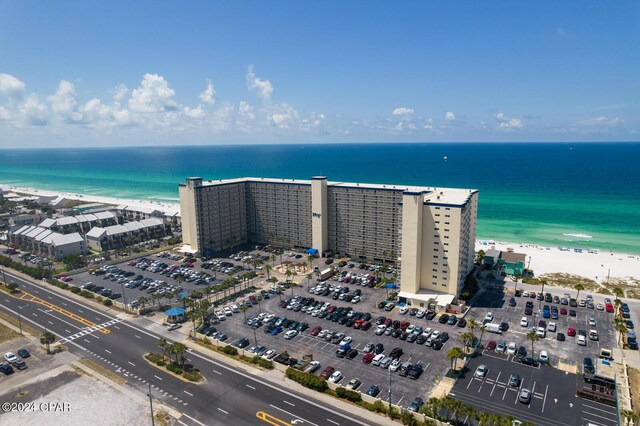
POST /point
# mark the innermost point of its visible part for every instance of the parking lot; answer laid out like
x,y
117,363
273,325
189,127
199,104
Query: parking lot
x,y
403,389
553,401
567,351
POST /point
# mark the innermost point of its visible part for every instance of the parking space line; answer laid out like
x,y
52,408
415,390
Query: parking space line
x,y
496,382
544,401
601,417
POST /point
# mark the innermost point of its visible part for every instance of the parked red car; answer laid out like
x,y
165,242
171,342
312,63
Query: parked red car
x,y
327,372
368,358
563,311
404,325
571,331
609,307
491,345
316,330
358,324
365,326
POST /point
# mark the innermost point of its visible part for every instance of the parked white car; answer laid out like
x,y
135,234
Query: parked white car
x,y
581,341
290,334
524,322
511,349
335,377
544,356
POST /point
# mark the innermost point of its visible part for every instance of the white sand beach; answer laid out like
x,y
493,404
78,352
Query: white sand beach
x,y
595,266
162,206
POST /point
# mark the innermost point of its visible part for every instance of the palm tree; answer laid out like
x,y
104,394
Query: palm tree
x,y
453,354
292,284
47,339
618,292
515,278
543,282
467,338
472,324
617,303
193,316
244,310
273,260
268,268
162,344
620,327
259,299
309,276
179,349
484,418
533,336
432,407
310,259
578,287
482,330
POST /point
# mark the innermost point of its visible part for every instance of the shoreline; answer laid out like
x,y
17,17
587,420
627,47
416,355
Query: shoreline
x,y
542,258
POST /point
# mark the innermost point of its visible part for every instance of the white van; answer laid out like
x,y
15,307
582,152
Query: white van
x,y
492,328
377,359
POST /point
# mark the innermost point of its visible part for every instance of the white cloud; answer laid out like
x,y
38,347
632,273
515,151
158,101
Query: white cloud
x,y
282,115
262,87
33,112
506,123
197,113
64,101
209,94
153,95
402,111
246,111
449,116
10,85
120,92
602,121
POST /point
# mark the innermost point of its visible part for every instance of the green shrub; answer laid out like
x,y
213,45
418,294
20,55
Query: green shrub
x,y
87,294
75,290
193,376
146,311
379,407
161,363
348,394
230,350
107,302
264,363
307,380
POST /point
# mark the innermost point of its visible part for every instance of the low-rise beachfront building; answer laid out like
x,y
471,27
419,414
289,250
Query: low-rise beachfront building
x,y
119,236
491,258
430,231
512,263
46,243
80,223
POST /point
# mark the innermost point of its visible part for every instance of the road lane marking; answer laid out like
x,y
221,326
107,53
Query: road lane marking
x,y
287,402
137,336
251,387
159,378
107,351
191,418
188,393
86,340
67,330
217,372
293,415
335,423
220,409
131,363
274,421
49,322
544,401
34,314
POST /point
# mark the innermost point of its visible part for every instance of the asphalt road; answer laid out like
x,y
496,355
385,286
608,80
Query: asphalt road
x,y
228,396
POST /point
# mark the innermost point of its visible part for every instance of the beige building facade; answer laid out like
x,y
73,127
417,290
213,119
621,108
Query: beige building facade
x,y
378,223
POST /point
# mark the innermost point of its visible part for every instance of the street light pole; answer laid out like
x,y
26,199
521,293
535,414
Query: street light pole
x,y
389,374
124,297
153,422
255,337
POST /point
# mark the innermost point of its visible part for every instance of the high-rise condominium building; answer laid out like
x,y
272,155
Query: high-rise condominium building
x,y
430,232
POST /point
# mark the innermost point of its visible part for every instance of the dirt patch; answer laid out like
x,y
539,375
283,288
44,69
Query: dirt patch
x,y
7,334
25,326
105,372
634,384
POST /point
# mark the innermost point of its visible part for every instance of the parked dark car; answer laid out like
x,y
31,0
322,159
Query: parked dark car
x,y
416,404
528,361
373,390
415,371
6,369
462,323
588,366
522,352
443,318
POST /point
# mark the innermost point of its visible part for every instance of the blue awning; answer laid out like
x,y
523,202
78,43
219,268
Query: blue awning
x,y
391,285
312,251
174,312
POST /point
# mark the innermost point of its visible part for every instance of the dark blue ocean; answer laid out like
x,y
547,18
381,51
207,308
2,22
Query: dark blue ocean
x,y
578,194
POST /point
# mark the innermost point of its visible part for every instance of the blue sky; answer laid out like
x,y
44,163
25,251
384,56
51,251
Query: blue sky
x,y
141,73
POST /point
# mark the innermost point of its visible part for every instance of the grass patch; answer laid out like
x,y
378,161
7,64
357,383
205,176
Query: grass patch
x,y
26,327
163,418
7,334
634,383
103,371
603,290
570,281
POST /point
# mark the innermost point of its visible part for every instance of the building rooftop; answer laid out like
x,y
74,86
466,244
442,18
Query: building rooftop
x,y
47,223
96,232
432,195
62,239
513,257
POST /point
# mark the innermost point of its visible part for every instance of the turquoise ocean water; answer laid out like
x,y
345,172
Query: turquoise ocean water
x,y
577,195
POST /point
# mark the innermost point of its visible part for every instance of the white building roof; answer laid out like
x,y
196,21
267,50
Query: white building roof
x,y
84,218
116,230
63,239
67,221
149,223
47,223
104,215
43,235
96,232
133,226
22,230
35,232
